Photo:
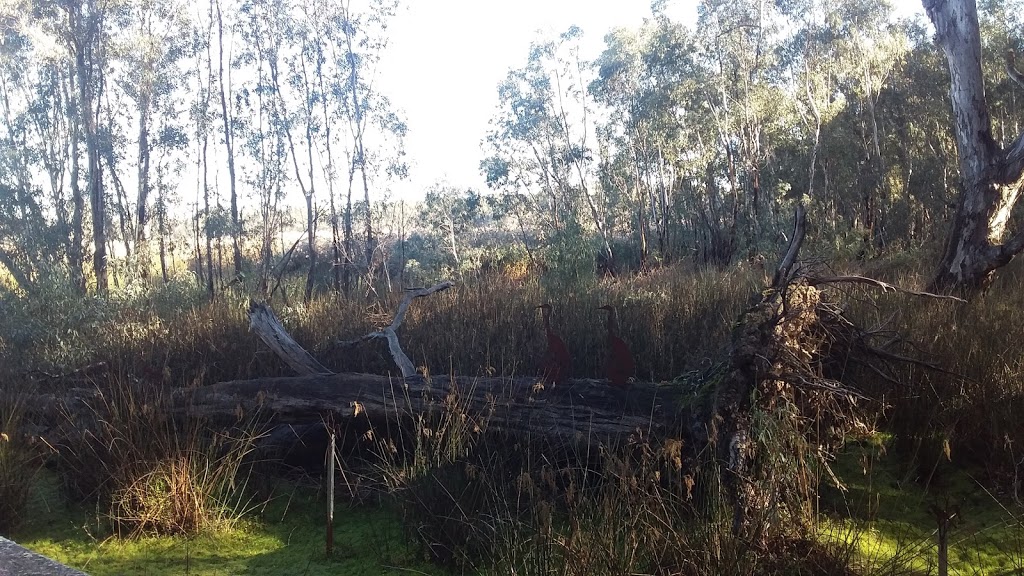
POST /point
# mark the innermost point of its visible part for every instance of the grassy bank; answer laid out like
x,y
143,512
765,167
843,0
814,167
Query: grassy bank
x,y
949,420
286,536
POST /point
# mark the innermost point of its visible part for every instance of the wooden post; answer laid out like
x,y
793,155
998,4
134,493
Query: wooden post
x,y
943,547
944,517
330,495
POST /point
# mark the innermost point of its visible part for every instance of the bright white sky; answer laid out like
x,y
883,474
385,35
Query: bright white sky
x,y
446,58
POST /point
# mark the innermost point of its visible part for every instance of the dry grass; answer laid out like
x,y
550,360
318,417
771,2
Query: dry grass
x,y
961,404
514,504
675,320
21,458
483,501
149,471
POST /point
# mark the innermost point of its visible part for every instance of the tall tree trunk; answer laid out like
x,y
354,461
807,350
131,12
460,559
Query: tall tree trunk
x,y
124,216
329,176
311,196
990,177
75,257
642,190
357,121
200,274
452,241
206,217
87,37
204,126
368,223
347,276
307,191
97,203
141,209
236,224
664,192
161,224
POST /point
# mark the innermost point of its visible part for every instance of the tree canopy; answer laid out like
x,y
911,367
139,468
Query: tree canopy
x,y
208,137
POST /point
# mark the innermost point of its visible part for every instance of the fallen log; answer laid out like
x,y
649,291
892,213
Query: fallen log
x,y
579,409
586,408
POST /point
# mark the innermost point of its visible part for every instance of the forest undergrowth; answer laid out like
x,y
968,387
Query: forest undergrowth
x,y
949,397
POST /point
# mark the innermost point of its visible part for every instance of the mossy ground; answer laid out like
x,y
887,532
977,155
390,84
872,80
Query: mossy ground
x,y
285,537
884,516
888,515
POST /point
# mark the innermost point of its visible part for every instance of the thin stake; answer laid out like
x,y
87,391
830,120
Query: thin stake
x,y
944,517
330,496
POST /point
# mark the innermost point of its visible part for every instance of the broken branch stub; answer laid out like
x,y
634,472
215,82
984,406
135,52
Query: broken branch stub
x,y
784,272
267,326
390,332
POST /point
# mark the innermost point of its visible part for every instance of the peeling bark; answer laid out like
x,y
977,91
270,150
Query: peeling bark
x,y
990,177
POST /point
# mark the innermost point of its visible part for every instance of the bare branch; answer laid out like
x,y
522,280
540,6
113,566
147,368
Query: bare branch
x,y
782,273
1011,69
391,332
265,323
413,293
269,329
885,286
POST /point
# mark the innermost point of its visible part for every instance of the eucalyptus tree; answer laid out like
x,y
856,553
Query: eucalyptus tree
x,y
21,217
926,150
264,143
202,117
647,78
86,39
168,167
1001,23
225,92
737,42
300,88
511,184
811,69
626,138
450,213
544,127
46,97
991,175
305,81
840,61
870,47
357,50
76,256
878,47
326,78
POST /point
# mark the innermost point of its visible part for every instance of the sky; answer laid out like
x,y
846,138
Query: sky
x,y
446,58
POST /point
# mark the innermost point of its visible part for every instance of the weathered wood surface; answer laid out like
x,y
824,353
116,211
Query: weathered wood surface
x,y
390,332
265,324
587,407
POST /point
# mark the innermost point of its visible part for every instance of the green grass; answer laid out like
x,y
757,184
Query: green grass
x,y
886,514
287,537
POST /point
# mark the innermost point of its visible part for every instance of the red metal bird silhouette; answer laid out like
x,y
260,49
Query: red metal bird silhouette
x,y
556,361
620,365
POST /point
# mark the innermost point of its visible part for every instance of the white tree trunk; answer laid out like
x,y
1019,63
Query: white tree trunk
x,y
990,177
